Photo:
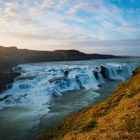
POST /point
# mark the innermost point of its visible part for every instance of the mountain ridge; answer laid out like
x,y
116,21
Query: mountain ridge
x,y
12,56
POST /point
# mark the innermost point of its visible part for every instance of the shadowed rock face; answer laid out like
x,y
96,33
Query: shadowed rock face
x,y
117,118
104,71
11,56
7,78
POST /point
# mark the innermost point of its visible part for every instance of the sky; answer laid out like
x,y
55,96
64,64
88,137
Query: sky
x,y
91,26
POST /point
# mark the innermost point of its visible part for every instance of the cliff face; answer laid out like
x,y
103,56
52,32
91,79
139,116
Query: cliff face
x,y
11,56
117,118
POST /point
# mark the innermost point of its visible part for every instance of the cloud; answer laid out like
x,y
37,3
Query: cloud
x,y
6,19
118,47
26,21
12,12
67,21
9,4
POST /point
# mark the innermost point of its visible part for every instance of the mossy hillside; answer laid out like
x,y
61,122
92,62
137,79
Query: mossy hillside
x,y
117,118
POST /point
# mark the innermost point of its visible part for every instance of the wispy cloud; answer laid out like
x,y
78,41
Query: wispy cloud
x,y
66,20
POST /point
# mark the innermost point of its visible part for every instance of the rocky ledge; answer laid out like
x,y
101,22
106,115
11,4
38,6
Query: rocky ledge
x,y
117,118
12,56
6,78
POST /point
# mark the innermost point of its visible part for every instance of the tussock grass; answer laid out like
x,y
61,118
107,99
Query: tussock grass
x,y
117,118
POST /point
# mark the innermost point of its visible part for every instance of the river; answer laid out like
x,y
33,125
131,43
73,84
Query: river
x,y
46,92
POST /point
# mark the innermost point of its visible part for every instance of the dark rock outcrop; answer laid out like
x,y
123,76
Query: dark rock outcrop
x,y
104,71
66,73
5,97
7,78
96,75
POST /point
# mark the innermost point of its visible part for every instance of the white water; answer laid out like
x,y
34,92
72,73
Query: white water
x,y
37,92
33,90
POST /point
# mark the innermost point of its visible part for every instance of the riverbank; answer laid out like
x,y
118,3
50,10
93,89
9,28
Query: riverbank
x,y
115,118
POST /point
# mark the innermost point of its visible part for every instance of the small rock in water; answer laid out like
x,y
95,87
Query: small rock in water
x,y
5,97
66,73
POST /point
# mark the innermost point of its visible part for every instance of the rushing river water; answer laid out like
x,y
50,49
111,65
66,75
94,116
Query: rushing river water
x,y
46,92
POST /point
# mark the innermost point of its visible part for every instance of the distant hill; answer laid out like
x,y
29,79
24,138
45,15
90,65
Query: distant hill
x,y
11,56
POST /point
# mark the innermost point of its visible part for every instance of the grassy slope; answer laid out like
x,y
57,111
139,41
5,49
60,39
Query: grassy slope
x,y
117,118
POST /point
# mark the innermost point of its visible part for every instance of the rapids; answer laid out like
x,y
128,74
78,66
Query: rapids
x,y
45,92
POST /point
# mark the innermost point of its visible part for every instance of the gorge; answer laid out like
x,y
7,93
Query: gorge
x,y
42,94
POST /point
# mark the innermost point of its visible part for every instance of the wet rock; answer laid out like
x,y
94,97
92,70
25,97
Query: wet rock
x,y
96,75
18,69
57,79
26,77
104,71
97,69
6,78
5,97
66,73
79,82
99,85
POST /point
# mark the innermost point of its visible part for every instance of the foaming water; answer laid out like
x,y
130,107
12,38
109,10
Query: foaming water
x,y
45,92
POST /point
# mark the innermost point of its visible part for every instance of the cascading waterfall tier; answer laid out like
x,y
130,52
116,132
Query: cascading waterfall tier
x,y
38,83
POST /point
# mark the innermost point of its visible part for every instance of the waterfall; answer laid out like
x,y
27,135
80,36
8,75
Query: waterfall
x,y
37,84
